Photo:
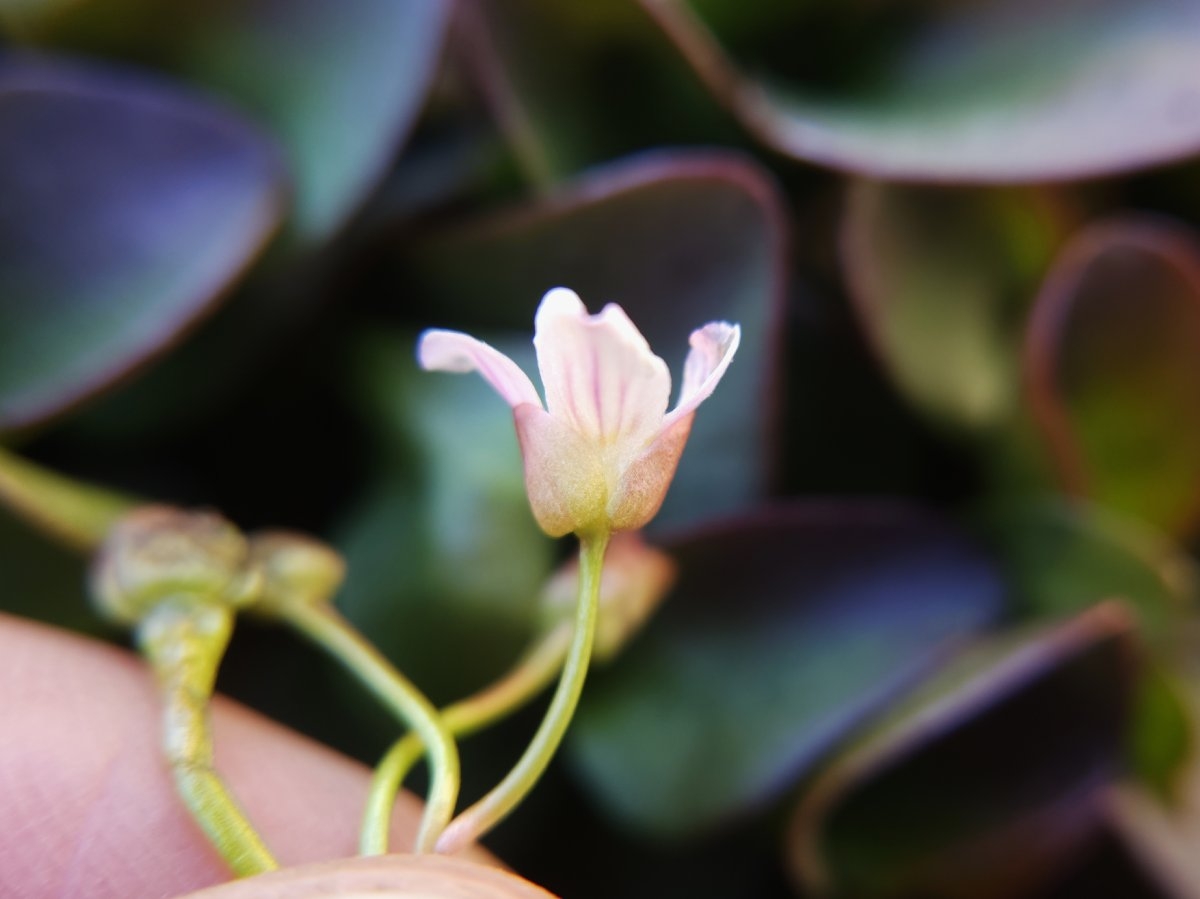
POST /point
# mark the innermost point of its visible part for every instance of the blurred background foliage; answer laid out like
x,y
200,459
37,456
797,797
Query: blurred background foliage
x,y
934,633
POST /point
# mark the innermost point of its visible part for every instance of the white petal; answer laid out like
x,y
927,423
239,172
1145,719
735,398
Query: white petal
x,y
712,350
598,371
457,352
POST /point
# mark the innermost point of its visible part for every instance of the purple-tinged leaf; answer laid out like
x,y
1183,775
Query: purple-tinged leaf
x,y
574,85
985,780
340,84
787,629
1113,369
129,209
678,240
992,92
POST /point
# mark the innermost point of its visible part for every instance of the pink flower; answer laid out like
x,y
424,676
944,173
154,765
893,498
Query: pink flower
x,y
600,455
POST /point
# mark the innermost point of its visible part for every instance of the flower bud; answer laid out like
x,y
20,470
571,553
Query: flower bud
x,y
635,579
296,568
156,554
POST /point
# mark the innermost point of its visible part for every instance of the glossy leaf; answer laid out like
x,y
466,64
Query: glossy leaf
x,y
572,86
677,240
339,84
980,782
1162,736
1113,357
130,208
939,279
995,91
785,631
1062,556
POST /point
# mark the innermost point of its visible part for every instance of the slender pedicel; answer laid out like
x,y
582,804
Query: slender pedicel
x,y
527,679
75,514
495,806
322,624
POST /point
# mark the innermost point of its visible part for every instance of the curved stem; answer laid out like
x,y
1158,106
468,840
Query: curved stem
x,y
322,624
75,514
184,647
495,806
528,678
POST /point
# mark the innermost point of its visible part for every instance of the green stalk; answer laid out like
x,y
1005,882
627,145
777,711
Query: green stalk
x,y
508,794
184,646
525,681
76,514
322,624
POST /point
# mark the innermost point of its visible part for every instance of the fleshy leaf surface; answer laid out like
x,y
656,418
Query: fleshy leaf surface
x,y
785,631
998,757
573,86
940,279
340,85
986,92
1113,369
677,240
130,208
1062,556
1159,831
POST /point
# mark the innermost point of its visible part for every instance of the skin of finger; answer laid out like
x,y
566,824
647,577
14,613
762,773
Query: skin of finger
x,y
87,806
427,876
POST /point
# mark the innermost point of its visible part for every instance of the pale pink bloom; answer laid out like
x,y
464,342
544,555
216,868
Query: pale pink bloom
x,y
601,453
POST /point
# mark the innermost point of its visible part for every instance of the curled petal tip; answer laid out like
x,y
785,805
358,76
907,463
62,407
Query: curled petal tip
x,y
712,349
560,301
454,351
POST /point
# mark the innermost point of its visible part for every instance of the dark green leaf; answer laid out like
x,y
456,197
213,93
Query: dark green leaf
x,y
1061,557
573,85
129,210
940,279
339,84
983,780
993,91
785,631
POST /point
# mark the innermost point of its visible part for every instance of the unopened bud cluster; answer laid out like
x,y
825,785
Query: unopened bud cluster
x,y
162,554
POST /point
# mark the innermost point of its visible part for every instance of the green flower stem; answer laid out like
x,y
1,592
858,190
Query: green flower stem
x,y
526,680
73,513
184,646
322,624
496,805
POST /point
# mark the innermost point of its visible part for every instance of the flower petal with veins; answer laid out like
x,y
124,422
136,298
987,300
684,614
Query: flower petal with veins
x,y
601,453
457,352
598,370
712,349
